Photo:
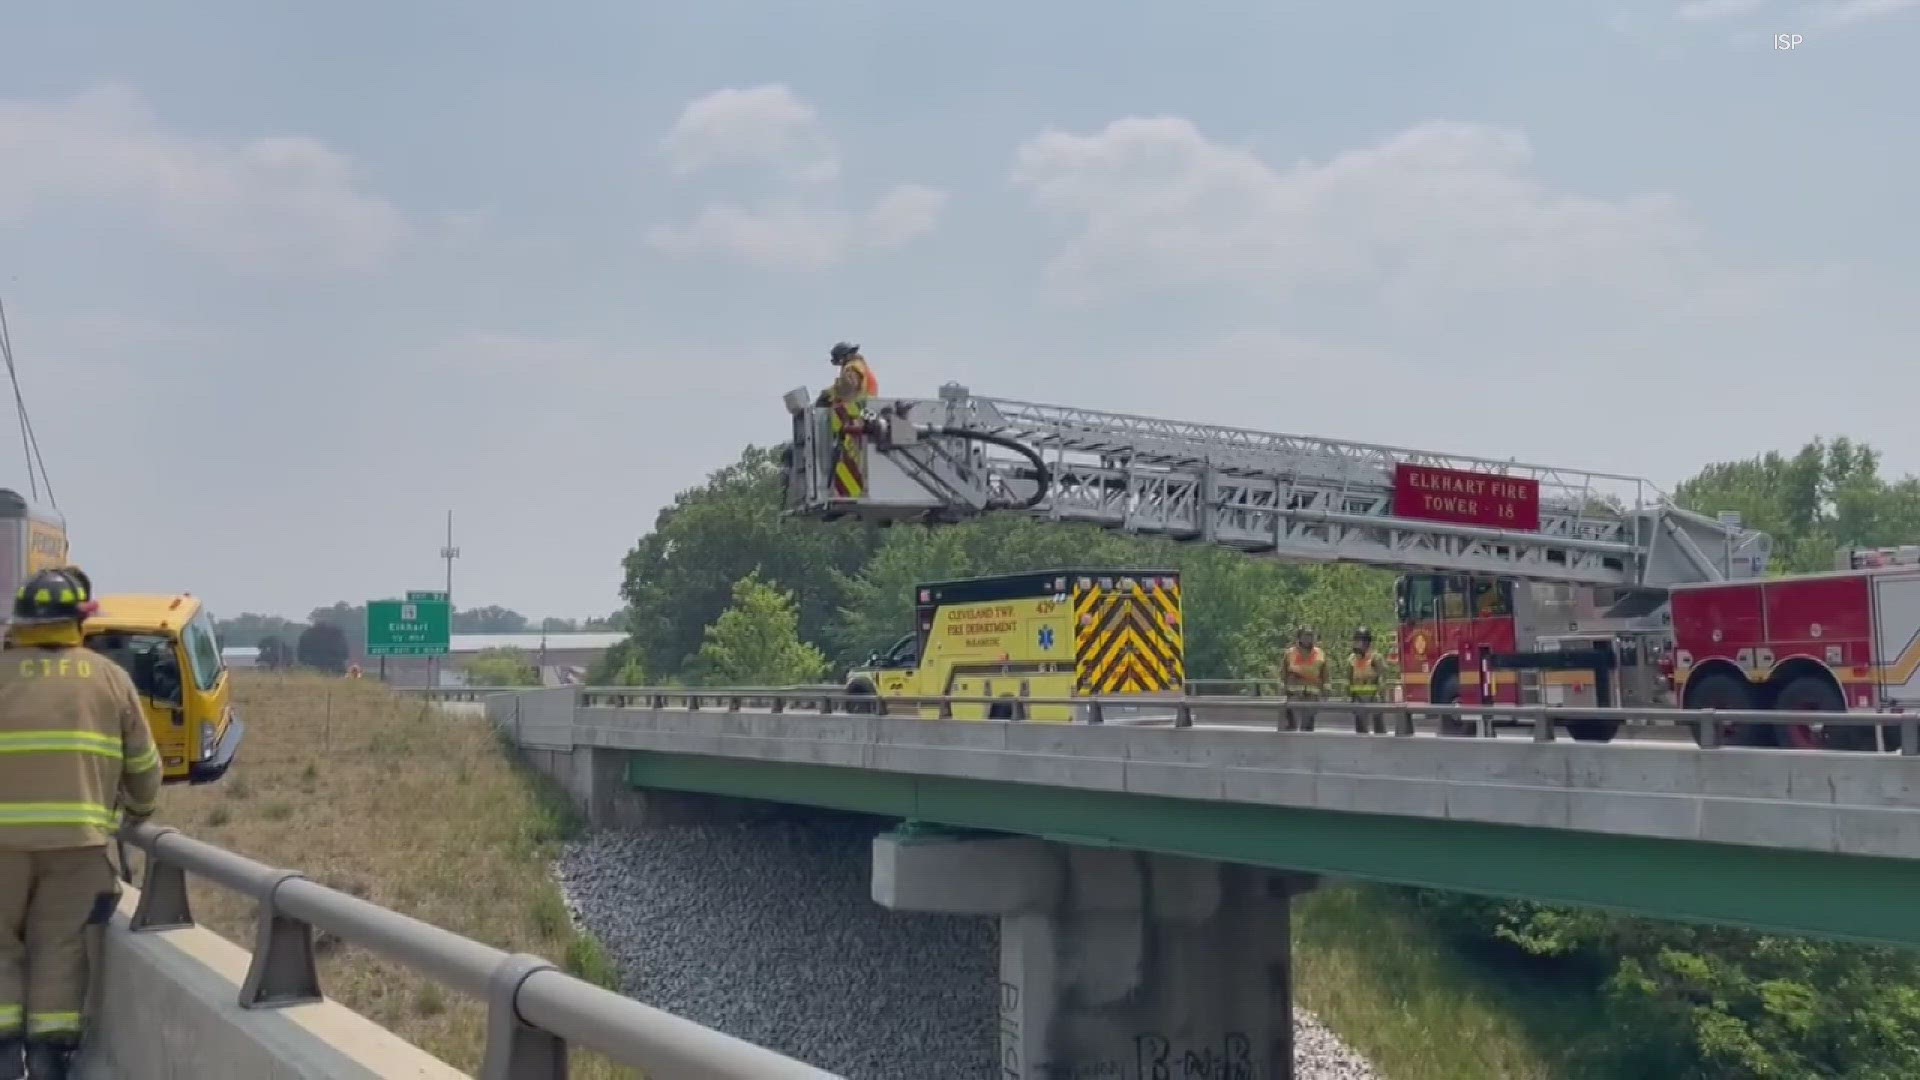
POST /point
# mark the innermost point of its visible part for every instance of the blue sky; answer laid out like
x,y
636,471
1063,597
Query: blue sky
x,y
287,285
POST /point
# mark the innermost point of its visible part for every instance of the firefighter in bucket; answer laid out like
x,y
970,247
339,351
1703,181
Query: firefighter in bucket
x,y
847,396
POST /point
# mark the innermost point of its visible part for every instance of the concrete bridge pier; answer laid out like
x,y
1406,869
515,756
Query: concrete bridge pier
x,y
1115,965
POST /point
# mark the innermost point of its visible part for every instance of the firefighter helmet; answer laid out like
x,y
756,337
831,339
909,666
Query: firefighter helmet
x,y
1361,633
54,596
843,351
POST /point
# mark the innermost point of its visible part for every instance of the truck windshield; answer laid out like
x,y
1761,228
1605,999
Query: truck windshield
x,y
203,651
1450,596
148,658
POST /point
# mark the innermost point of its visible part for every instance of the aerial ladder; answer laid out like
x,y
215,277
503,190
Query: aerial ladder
x,y
1295,497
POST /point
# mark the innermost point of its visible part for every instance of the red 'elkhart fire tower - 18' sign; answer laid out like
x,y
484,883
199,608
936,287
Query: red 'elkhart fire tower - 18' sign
x,y
1466,498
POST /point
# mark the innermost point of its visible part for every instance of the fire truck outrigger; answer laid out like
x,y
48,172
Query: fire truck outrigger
x,y
1520,583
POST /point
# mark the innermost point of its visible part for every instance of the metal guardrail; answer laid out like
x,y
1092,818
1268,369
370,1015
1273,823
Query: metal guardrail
x,y
1706,724
1336,685
481,693
534,1011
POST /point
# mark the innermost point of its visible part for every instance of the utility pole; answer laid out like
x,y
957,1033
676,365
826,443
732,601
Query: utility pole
x,y
449,553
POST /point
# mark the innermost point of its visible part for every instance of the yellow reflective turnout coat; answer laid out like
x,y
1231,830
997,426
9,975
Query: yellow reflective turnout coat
x,y
74,743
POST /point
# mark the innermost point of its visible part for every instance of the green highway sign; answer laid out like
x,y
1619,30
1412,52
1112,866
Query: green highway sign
x,y
419,596
410,627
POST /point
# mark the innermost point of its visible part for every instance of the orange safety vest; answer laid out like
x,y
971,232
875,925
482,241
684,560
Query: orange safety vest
x,y
1366,677
870,386
1306,669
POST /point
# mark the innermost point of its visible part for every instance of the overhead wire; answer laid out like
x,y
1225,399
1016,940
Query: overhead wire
x,y
29,442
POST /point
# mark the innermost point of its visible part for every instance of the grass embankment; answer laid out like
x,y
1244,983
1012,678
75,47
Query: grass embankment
x,y
366,792
1421,1008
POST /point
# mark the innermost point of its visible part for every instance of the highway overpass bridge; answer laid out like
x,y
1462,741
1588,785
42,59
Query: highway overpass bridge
x,y
1141,871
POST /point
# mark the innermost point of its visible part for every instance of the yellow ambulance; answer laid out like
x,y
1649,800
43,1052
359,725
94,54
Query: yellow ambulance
x,y
1043,634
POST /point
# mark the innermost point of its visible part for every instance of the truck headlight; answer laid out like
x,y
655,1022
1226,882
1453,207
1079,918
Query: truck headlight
x,y
206,739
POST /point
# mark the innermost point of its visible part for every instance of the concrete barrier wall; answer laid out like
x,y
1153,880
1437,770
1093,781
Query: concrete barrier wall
x,y
536,718
167,1006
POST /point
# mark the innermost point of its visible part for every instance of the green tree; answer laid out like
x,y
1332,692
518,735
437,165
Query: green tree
x,y
492,619
629,674
323,646
274,653
756,642
349,619
502,667
680,577
249,629
1827,496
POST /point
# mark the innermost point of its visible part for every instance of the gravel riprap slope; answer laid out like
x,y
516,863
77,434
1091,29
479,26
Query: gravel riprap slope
x,y
766,929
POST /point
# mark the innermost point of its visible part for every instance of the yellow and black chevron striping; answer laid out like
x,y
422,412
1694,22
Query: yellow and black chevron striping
x,y
849,478
1128,636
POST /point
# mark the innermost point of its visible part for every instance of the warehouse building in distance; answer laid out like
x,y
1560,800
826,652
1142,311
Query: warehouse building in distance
x,y
563,658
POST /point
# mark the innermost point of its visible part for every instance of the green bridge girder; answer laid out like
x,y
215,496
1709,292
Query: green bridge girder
x,y
1842,897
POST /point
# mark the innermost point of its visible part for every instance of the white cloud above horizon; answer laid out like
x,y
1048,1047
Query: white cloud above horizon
x,y
1436,212
1800,15
769,127
259,370
270,204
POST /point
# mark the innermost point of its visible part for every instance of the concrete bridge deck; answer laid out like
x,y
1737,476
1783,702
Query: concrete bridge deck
x,y
1814,842
1805,842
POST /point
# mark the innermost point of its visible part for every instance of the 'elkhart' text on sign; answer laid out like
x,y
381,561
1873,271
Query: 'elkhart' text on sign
x,y
1466,498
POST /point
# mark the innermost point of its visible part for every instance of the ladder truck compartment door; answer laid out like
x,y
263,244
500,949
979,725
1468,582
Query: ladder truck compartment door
x,y
1896,638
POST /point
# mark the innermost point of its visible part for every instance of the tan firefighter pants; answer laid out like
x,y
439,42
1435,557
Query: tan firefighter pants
x,y
1302,719
49,901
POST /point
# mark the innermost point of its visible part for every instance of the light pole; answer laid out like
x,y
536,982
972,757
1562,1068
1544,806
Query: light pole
x,y
449,553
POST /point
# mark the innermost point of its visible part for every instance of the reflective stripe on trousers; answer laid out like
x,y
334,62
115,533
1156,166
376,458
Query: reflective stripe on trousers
x,y
58,898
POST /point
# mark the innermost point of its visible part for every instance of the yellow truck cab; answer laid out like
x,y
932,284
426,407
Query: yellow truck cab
x,y
167,644
1043,634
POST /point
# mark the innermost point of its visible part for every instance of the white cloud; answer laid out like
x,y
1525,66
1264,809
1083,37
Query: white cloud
x,y
1852,11
274,202
761,125
1709,10
1823,12
770,127
804,238
1435,211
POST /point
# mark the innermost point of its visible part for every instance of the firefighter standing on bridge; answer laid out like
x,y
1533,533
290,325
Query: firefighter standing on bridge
x,y
1363,682
1303,674
73,741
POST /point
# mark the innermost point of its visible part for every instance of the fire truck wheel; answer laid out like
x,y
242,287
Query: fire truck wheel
x,y
857,691
1811,694
1723,691
1805,694
1000,712
1593,730
1446,691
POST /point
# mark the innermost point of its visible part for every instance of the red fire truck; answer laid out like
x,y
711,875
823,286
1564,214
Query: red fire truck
x,y
1847,640
1520,583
